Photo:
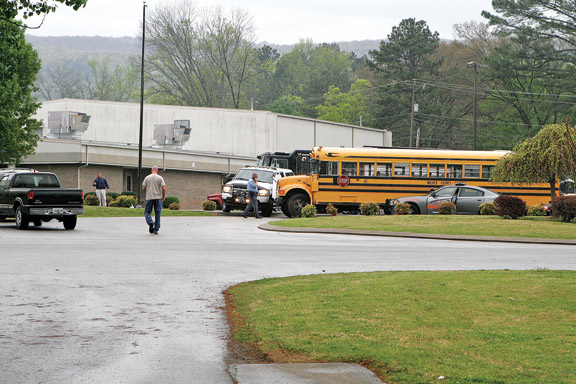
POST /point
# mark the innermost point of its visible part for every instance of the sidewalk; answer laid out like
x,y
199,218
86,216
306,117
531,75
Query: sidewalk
x,y
274,228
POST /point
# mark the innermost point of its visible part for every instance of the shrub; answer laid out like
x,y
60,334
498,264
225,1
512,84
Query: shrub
x,y
510,206
369,209
331,210
403,209
124,201
112,203
111,195
91,199
564,207
489,209
309,211
174,206
447,208
125,193
536,210
208,205
169,200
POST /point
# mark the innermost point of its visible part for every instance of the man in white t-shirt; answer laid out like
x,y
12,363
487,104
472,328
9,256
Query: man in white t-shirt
x,y
155,188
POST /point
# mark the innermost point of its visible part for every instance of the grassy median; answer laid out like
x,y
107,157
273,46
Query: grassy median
x,y
418,327
530,227
90,211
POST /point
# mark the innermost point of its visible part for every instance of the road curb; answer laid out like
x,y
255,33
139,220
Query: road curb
x,y
493,239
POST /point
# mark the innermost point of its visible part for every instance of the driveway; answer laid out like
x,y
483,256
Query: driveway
x,y
110,303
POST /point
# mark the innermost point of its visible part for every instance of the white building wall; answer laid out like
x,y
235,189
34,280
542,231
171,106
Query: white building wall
x,y
227,131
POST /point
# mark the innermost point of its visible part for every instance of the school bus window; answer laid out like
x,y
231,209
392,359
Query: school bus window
x,y
472,171
487,171
384,169
366,169
419,170
454,171
402,169
437,171
329,168
348,169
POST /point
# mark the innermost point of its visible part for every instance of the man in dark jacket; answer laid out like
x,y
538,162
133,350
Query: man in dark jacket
x,y
101,185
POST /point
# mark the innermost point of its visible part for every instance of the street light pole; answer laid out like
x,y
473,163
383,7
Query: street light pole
x,y
138,186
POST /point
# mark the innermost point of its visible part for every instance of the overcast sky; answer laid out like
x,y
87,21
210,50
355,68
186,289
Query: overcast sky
x,y
280,22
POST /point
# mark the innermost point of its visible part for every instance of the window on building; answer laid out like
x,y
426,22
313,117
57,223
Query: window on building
x,y
384,169
349,169
366,169
419,170
454,171
472,171
402,169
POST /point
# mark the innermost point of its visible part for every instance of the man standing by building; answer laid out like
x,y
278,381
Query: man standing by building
x,y
253,192
101,185
155,188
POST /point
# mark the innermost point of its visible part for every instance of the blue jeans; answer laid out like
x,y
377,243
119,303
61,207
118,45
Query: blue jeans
x,y
157,205
252,205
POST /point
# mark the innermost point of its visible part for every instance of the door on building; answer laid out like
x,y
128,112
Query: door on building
x,y
129,180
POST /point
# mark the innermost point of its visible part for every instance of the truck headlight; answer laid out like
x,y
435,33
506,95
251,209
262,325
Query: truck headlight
x,y
264,192
227,189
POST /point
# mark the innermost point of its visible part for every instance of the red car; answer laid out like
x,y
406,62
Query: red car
x,y
217,198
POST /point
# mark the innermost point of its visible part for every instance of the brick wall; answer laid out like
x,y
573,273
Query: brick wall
x,y
190,187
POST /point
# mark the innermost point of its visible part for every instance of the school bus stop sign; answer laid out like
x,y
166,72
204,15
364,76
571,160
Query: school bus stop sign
x,y
343,181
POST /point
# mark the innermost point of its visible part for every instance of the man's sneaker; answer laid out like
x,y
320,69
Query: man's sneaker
x,y
151,227
155,232
258,217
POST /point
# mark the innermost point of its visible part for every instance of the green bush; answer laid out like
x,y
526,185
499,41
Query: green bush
x,y
403,209
369,209
209,205
489,209
537,210
174,206
511,207
309,211
564,207
169,200
331,210
124,201
91,199
111,195
125,193
447,208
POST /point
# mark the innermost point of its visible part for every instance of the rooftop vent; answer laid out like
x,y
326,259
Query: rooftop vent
x,y
67,125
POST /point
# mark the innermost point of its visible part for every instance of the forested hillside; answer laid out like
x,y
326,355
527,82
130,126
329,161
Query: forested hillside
x,y
484,90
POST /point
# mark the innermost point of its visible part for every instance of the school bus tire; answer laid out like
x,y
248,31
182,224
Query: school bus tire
x,y
295,204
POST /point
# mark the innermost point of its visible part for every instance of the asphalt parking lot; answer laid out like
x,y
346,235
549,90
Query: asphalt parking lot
x,y
110,303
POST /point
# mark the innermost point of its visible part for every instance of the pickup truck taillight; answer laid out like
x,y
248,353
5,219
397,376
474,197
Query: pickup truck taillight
x,y
82,196
30,195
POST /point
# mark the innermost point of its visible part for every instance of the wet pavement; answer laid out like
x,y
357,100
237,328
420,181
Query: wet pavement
x,y
110,303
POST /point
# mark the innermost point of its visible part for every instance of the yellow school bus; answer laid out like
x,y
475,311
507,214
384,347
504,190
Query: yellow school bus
x,y
348,177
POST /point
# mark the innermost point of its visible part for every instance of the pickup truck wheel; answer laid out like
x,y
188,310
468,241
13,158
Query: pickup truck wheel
x,y
295,204
267,209
69,222
22,220
226,208
37,222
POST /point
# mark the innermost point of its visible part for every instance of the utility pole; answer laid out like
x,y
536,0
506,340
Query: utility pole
x,y
412,112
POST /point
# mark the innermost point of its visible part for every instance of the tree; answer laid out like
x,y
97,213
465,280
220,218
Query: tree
x,y
61,81
347,108
406,56
541,159
200,57
121,84
19,65
546,19
288,105
9,9
308,71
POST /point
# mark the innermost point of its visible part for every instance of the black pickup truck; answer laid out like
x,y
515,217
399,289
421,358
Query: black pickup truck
x,y
37,197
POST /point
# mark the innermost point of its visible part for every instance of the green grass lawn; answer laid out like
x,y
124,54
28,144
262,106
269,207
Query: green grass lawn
x,y
90,211
507,327
531,227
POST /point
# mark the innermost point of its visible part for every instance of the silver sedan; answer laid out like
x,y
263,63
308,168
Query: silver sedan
x,y
466,197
